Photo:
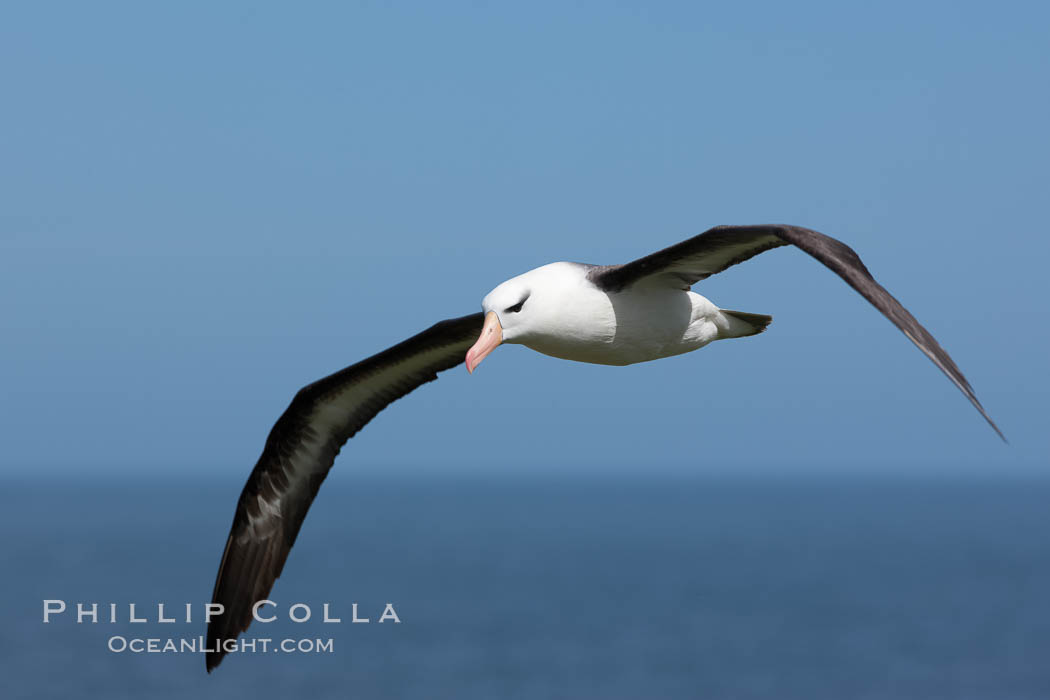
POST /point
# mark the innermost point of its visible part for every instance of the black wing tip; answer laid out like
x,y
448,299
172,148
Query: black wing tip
x,y
215,654
249,580
984,414
994,426
214,644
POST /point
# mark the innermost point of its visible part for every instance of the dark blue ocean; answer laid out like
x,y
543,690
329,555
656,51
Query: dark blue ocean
x,y
583,587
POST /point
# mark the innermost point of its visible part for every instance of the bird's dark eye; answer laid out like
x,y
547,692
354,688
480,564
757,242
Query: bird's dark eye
x,y
517,307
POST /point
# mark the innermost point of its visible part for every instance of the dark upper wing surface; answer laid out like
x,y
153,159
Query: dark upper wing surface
x,y
299,452
711,252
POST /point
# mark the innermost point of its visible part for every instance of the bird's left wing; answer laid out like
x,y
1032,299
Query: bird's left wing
x,y
716,249
299,452
694,259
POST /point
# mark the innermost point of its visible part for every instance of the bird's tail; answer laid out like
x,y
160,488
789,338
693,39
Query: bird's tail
x,y
742,324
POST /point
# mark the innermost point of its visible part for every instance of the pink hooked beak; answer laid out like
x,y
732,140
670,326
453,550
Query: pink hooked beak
x,y
491,336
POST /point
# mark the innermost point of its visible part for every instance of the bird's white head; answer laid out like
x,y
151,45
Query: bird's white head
x,y
525,307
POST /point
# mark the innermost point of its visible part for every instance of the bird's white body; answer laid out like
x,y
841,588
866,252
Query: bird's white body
x,y
568,317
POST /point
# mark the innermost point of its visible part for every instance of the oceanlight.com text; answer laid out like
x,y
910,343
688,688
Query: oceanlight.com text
x,y
199,645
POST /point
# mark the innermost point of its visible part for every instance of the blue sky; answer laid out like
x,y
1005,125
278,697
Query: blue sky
x,y
206,206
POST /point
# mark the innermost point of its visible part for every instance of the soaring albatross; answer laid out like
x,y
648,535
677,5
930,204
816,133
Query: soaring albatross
x,y
614,315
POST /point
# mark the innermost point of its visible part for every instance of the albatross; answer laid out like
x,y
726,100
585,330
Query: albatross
x,y
606,314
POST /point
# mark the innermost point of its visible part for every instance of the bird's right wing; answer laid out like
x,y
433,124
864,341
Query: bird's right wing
x,y
300,450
